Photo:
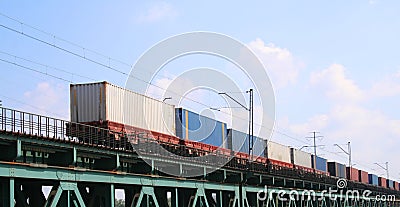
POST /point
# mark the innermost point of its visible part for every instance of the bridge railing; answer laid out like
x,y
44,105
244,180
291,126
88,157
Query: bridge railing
x,y
25,123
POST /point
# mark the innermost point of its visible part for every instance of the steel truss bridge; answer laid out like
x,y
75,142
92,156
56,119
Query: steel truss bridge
x,y
84,165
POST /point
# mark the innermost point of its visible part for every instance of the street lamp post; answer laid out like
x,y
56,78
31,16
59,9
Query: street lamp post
x,y
348,152
251,118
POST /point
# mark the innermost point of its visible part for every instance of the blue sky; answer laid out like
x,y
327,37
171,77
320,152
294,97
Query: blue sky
x,y
334,65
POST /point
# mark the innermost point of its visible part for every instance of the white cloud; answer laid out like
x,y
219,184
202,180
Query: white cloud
x,y
372,132
48,99
281,64
336,85
315,123
157,12
389,86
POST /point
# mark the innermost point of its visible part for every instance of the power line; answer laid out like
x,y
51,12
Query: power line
x,y
34,70
63,49
46,66
84,49
103,65
64,40
30,105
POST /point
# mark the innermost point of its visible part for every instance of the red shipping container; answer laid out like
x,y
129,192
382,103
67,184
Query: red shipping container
x,y
353,175
382,182
396,185
363,176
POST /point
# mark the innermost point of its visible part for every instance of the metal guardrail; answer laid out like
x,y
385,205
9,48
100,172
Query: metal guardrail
x,y
20,122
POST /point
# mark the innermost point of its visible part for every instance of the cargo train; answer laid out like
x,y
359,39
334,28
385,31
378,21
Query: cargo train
x,y
121,111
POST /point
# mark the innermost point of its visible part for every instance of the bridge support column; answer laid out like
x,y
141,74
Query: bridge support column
x,y
240,198
11,192
200,193
7,190
147,191
65,194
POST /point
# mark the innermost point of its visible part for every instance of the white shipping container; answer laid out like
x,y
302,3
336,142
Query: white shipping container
x,y
103,101
278,152
301,158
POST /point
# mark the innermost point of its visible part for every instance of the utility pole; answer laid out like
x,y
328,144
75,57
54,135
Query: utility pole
x,y
314,137
251,124
385,168
347,153
250,109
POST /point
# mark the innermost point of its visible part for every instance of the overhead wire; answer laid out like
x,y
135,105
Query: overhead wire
x,y
30,105
34,70
46,66
108,67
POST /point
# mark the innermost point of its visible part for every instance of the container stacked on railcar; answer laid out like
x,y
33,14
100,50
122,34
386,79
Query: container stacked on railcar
x,y
352,173
373,179
105,105
390,184
239,141
362,176
195,127
337,169
319,163
300,158
382,182
278,152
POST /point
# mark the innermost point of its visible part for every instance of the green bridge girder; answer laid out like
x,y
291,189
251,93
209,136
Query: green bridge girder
x,y
69,182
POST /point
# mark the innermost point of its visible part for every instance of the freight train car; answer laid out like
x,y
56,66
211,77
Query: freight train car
x,y
319,163
373,179
352,173
108,106
362,176
279,152
337,169
300,158
195,127
382,182
239,141
390,184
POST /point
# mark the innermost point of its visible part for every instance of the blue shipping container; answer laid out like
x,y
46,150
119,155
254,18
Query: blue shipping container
x,y
199,128
239,141
341,170
373,179
389,183
319,163
337,169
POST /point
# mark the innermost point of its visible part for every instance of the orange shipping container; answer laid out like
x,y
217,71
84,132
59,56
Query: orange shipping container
x,y
353,175
382,182
362,176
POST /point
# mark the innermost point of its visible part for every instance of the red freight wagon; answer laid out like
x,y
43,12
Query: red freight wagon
x,y
382,182
363,176
353,175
